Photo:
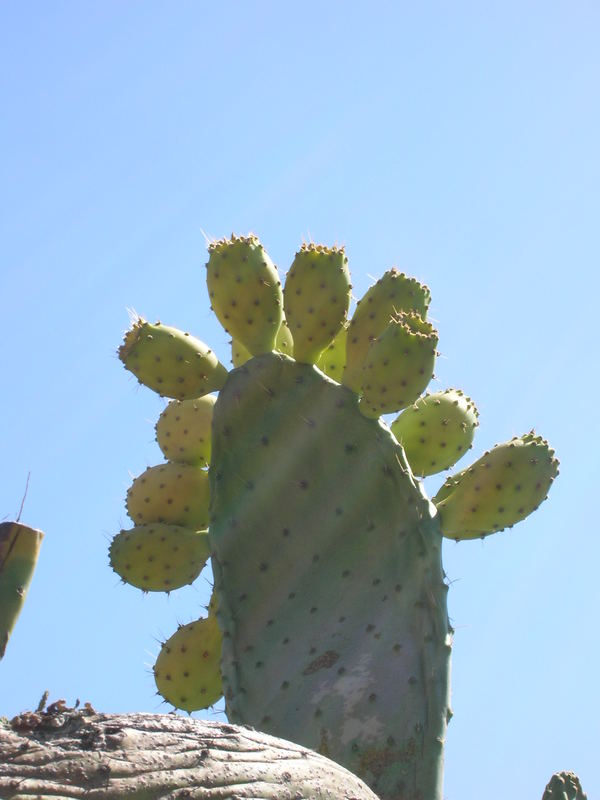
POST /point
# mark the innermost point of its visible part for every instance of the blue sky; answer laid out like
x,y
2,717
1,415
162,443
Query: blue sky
x,y
458,142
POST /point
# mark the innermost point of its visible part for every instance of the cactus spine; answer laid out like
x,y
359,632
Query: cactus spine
x,y
436,430
170,361
325,550
183,430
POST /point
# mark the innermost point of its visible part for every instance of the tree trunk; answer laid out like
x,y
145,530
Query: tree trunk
x,y
65,753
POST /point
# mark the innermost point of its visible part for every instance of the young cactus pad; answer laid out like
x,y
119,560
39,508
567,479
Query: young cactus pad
x,y
183,430
436,431
393,292
245,291
326,552
331,592
169,361
159,557
19,549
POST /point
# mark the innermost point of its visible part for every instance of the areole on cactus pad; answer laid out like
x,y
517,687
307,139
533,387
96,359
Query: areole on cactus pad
x,y
329,625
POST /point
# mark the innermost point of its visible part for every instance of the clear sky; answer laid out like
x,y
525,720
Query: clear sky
x,y
457,141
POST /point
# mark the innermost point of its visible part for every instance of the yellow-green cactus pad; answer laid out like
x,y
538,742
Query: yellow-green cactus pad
x,y
187,670
283,344
159,557
501,488
316,299
436,431
19,549
399,365
174,493
393,292
183,430
171,362
245,291
332,359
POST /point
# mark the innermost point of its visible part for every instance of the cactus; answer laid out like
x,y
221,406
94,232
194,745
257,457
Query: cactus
x,y
174,493
564,786
501,488
159,557
398,365
183,430
187,672
394,292
325,549
436,431
19,549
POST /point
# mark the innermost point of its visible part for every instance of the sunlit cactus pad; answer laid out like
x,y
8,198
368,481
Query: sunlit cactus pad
x,y
187,669
159,557
173,493
183,430
328,625
436,430
501,488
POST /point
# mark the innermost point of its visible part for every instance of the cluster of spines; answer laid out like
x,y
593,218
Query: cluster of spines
x,y
157,557
399,364
183,430
316,299
171,362
187,670
393,293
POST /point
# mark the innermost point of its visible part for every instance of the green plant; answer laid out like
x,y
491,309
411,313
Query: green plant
x,y
330,595
19,550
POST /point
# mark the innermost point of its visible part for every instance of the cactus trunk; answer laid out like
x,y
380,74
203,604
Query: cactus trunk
x,y
327,562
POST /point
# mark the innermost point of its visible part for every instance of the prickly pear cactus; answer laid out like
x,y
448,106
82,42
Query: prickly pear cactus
x,y
328,624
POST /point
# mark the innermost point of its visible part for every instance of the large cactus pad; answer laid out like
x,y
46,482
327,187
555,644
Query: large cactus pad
x,y
326,557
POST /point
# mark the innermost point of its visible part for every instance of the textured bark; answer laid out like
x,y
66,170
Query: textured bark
x,y
63,753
